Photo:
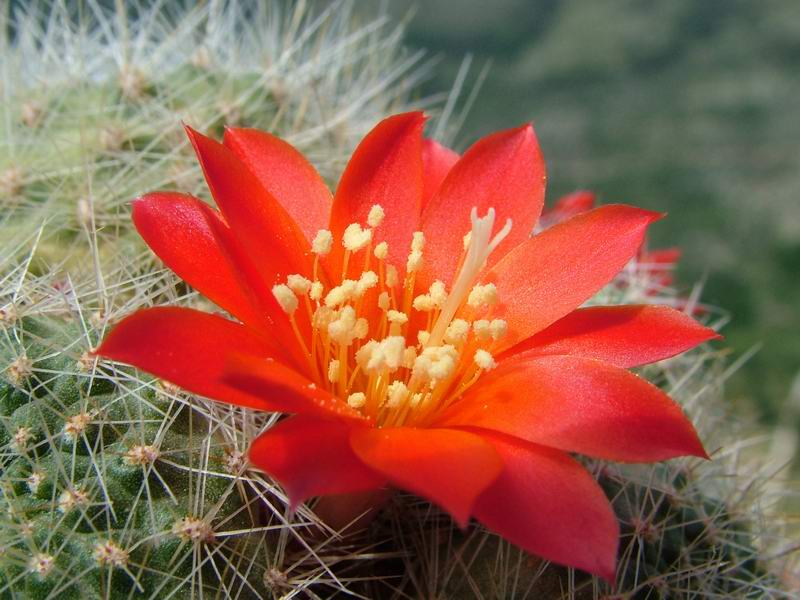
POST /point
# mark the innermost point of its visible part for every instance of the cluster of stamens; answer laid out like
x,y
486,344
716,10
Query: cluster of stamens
x,y
396,355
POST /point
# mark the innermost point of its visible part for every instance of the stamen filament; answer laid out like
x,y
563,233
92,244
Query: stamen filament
x,y
312,363
342,370
345,264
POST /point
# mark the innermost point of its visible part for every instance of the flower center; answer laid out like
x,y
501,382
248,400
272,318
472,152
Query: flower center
x,y
398,356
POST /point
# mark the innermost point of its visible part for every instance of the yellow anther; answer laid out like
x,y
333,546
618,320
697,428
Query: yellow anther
x,y
285,297
355,237
342,329
316,290
416,399
438,293
484,360
357,399
391,276
342,294
323,242
381,251
374,357
396,393
364,354
418,242
368,280
361,328
384,301
482,295
423,337
323,317
392,349
435,363
456,332
414,261
424,303
333,371
498,328
482,329
409,356
396,316
298,284
375,216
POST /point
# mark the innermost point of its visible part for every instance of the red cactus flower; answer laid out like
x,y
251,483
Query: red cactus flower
x,y
567,207
658,265
418,334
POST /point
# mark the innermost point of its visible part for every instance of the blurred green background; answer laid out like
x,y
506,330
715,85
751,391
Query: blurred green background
x,y
685,106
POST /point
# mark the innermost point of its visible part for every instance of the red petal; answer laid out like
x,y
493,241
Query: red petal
x,y
312,457
286,389
286,174
567,207
505,171
263,228
663,256
179,229
625,336
450,468
578,405
548,504
274,321
660,265
188,348
385,169
437,160
557,270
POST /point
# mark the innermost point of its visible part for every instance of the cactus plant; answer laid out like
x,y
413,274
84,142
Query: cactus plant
x,y
113,483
